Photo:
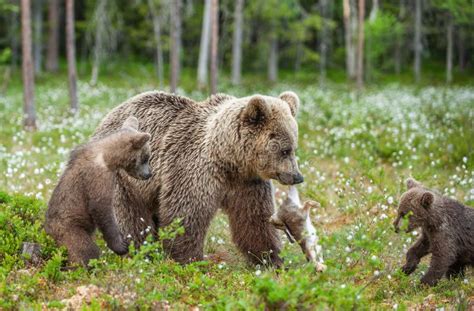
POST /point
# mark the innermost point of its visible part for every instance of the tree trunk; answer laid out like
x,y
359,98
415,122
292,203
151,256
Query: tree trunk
x,y
350,26
273,59
449,52
399,43
203,64
323,44
461,50
52,63
100,17
375,10
237,44
174,35
14,36
417,46
214,43
38,28
71,56
360,46
159,50
27,66
179,31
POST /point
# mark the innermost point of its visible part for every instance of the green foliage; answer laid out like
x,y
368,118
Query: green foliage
x,y
382,33
20,221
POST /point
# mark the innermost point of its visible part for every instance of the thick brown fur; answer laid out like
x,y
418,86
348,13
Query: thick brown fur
x,y
447,232
219,153
83,198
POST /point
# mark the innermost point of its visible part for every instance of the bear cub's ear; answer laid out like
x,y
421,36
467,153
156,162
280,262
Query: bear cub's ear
x,y
139,140
412,183
292,100
131,122
256,111
427,199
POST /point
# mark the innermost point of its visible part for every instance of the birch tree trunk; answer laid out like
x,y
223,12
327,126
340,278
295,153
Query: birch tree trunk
x,y
38,28
100,19
360,46
27,67
417,46
71,56
273,59
214,43
52,63
237,43
449,52
204,45
323,43
350,26
174,45
159,49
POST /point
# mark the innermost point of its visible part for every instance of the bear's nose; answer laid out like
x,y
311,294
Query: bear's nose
x,y
298,178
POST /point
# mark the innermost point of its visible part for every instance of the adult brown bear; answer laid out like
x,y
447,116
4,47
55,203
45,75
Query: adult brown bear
x,y
219,153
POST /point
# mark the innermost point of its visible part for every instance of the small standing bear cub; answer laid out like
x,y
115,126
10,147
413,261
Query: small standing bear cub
x,y
447,232
83,198
295,221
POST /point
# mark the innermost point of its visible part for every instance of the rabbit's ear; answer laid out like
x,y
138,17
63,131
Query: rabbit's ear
x,y
308,205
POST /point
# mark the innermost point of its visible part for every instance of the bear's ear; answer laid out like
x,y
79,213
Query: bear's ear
x,y
292,100
412,183
131,122
256,111
427,199
139,140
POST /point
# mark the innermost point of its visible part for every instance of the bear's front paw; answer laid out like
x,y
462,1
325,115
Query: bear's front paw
x,y
120,247
408,268
429,280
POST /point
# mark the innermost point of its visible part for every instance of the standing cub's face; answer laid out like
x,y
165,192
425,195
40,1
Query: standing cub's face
x,y
415,204
136,150
271,124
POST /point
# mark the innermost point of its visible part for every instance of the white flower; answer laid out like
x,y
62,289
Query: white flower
x,y
376,272
390,200
369,190
258,272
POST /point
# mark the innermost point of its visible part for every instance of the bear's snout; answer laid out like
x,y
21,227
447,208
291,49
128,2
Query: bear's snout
x,y
290,178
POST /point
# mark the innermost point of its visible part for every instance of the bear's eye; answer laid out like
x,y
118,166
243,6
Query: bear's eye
x,y
285,152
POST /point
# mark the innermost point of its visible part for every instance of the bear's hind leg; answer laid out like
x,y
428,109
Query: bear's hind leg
x,y
80,245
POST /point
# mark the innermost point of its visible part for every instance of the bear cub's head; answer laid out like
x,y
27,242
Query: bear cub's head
x,y
416,205
271,124
130,150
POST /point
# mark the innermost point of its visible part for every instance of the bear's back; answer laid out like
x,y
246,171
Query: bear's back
x,y
162,107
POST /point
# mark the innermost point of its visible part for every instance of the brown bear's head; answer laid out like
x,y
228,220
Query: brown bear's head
x,y
271,124
129,149
416,204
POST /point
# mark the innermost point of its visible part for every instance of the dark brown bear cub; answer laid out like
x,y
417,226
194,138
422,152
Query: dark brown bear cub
x,y
83,198
447,232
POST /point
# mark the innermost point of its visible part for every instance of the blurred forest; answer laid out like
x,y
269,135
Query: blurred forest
x,y
359,41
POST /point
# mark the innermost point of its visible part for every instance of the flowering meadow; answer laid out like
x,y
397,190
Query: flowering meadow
x,y
355,150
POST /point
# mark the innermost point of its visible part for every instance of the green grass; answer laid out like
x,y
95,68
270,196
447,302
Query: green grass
x,y
355,150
